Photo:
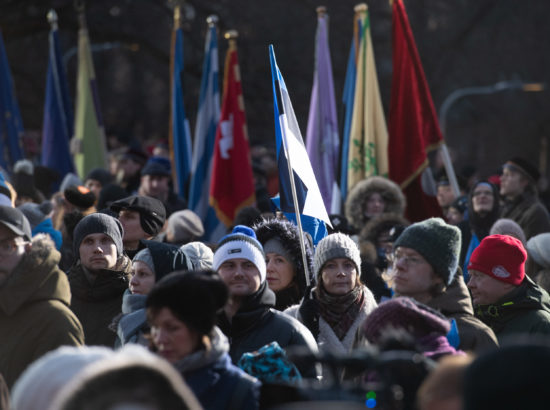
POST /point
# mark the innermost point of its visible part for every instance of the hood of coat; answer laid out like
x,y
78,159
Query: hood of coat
x,y
355,204
455,299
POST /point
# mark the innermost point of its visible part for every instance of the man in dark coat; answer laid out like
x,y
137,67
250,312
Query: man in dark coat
x,y
521,203
34,297
505,298
100,276
249,320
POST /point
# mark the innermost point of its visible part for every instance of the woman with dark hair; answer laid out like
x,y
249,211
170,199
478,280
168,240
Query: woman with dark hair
x,y
181,310
483,211
284,263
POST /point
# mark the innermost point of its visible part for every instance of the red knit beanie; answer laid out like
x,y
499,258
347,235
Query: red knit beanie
x,y
501,257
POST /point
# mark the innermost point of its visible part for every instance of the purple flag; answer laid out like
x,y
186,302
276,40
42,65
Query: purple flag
x,y
322,141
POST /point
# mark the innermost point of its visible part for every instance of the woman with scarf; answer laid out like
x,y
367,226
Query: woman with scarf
x,y
336,307
181,310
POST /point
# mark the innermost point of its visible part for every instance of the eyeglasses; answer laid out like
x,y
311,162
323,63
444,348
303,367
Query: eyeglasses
x,y
9,246
479,193
408,261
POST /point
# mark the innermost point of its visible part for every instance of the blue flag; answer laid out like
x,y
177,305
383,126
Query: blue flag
x,y
289,142
180,133
205,136
11,125
57,126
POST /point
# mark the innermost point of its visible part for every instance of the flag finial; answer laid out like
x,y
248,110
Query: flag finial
x,y
212,20
232,36
360,7
79,6
52,19
177,17
321,11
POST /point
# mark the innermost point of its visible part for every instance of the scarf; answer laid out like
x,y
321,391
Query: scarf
x,y
340,311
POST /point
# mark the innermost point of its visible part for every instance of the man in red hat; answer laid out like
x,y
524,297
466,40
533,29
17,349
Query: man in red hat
x,y
507,300
518,187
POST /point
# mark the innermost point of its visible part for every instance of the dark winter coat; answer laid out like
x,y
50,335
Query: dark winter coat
x,y
525,310
34,310
215,381
256,324
97,303
529,213
455,303
356,202
288,235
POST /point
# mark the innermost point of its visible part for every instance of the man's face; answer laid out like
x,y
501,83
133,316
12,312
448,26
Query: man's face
x,y
130,221
129,167
98,251
445,195
12,249
241,276
156,186
93,185
486,289
413,276
512,183
483,199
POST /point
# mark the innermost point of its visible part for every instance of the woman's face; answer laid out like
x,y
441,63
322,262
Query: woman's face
x,y
375,205
483,199
280,271
142,279
339,276
172,338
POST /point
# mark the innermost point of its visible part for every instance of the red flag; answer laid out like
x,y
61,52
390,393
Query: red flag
x,y
232,186
413,126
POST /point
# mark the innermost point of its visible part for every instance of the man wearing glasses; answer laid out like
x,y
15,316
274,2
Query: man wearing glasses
x,y
34,297
424,266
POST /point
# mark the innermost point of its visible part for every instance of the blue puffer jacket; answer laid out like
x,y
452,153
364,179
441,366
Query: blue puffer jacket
x,y
215,381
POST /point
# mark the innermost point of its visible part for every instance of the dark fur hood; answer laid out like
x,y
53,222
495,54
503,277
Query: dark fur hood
x,y
372,230
287,232
390,191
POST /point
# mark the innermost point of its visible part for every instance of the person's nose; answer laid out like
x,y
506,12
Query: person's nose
x,y
134,280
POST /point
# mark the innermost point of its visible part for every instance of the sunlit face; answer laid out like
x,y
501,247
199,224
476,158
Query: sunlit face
x,y
486,289
131,223
375,205
173,339
445,195
483,199
280,271
512,183
241,276
454,216
98,251
339,276
155,185
142,278
413,276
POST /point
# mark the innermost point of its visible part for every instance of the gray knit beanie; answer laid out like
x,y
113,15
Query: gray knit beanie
x,y
538,248
98,223
438,242
505,226
336,245
145,256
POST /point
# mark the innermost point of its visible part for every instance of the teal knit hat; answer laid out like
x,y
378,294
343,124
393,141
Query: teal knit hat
x,y
438,242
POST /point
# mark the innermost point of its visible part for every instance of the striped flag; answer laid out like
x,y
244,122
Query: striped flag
x,y
289,142
322,140
232,185
205,136
88,145
57,126
11,125
368,146
180,134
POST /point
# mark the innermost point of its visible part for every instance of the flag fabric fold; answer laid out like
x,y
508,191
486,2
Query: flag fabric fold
x,y
57,125
289,142
322,140
413,126
88,145
11,125
232,184
205,136
368,138
180,133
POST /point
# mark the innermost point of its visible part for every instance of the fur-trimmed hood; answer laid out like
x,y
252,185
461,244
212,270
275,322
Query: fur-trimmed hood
x,y
355,203
371,231
288,234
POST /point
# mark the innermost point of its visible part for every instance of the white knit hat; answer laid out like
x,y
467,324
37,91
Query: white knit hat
x,y
538,248
336,245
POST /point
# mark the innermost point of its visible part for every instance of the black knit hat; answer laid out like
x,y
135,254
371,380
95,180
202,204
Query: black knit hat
x,y
79,196
98,223
101,175
193,297
166,258
438,242
157,166
152,213
525,167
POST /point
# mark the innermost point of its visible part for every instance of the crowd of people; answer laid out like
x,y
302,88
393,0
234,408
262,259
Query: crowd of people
x,y
111,298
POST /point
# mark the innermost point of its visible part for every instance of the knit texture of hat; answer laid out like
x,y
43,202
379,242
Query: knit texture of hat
x,y
500,256
505,226
438,242
336,245
198,256
185,225
144,256
538,248
152,212
241,243
98,223
164,258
